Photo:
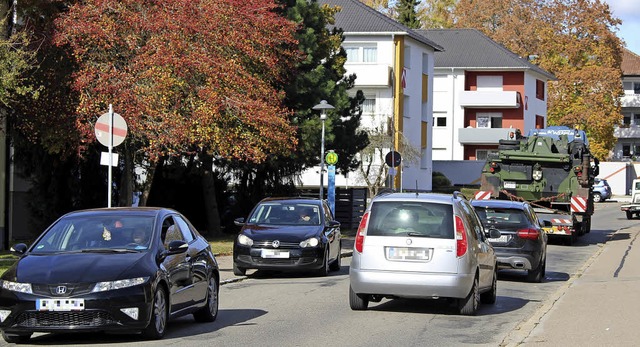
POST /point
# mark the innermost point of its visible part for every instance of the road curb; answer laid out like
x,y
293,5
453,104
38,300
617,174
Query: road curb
x,y
522,331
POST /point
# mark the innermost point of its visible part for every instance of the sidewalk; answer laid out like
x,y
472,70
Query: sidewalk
x,y
599,306
225,263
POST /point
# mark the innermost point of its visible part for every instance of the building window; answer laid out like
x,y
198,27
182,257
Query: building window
x,y
629,119
482,154
489,83
407,57
440,121
636,88
631,88
364,53
489,120
540,89
369,105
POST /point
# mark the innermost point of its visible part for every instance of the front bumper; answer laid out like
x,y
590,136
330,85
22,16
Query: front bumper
x,y
297,259
102,312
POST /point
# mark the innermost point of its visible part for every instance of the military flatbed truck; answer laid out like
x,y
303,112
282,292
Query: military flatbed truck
x,y
551,168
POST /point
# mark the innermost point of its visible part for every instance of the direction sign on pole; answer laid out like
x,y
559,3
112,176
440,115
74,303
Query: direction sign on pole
x,y
103,126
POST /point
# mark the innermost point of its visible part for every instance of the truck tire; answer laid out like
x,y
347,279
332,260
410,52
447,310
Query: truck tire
x,y
509,142
629,215
507,147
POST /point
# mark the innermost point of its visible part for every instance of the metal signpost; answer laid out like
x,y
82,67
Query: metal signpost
x,y
111,130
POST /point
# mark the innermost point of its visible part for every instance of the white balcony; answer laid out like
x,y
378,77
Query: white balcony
x,y
626,132
490,99
630,100
484,136
370,75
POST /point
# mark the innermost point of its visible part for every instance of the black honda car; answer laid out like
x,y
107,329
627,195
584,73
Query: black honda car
x,y
115,269
523,243
288,234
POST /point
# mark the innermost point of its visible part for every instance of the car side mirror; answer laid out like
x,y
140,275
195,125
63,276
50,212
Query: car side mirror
x,y
239,221
333,224
177,247
493,233
19,249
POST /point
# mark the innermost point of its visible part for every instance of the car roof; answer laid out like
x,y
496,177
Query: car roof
x,y
150,211
422,197
492,203
301,199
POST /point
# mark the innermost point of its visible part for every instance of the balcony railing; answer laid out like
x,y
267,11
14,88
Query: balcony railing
x,y
490,99
626,132
484,136
630,100
370,75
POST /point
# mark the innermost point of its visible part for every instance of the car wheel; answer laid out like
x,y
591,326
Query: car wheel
x,y
210,311
358,302
597,197
537,275
324,270
629,215
490,296
158,323
335,266
16,338
239,271
469,305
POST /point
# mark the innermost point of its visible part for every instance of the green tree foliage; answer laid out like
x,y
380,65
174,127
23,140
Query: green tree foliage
x,y
407,14
573,39
435,14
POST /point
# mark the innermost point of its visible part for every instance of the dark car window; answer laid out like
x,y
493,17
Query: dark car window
x,y
78,233
470,216
286,213
170,232
391,218
187,233
503,217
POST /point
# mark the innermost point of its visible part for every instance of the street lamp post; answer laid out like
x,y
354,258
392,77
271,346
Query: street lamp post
x,y
323,106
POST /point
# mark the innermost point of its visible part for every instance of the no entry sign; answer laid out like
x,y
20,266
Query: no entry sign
x,y
103,132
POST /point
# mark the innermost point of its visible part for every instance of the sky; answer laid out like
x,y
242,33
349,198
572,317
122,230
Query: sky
x,y
629,12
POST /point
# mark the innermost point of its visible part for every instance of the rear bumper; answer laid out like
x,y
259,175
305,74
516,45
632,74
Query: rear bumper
x,y
410,284
518,260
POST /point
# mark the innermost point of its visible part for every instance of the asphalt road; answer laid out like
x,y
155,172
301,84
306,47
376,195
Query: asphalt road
x,y
303,310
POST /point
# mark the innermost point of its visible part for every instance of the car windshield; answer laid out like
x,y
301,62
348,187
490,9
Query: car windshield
x,y
394,218
97,233
501,217
286,213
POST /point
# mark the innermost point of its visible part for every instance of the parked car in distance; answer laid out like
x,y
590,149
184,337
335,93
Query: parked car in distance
x,y
601,190
423,245
522,243
112,269
288,234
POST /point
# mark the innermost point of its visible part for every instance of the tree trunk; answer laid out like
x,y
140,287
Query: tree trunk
x,y
209,195
126,179
146,185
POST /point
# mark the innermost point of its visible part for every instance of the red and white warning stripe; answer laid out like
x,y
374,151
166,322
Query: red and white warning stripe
x,y
578,204
483,195
560,221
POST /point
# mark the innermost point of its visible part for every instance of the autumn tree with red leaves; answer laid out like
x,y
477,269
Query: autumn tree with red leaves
x,y
186,75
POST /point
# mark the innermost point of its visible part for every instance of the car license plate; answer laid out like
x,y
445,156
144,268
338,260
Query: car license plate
x,y
60,304
407,253
501,239
509,185
274,253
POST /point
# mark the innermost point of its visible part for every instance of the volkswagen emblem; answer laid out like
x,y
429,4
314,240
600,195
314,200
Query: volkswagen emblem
x,y
60,290
275,244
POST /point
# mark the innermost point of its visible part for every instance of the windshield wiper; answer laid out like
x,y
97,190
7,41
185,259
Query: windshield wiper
x,y
108,250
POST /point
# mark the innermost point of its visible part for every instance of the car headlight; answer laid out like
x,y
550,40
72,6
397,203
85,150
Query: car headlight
x,y
245,240
17,287
312,242
119,284
537,175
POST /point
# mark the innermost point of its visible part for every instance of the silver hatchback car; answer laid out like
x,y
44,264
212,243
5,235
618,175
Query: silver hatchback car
x,y
423,245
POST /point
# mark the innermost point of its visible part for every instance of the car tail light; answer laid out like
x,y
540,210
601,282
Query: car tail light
x,y
461,238
360,234
529,234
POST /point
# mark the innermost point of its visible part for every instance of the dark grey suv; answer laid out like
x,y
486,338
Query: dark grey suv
x,y
522,243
